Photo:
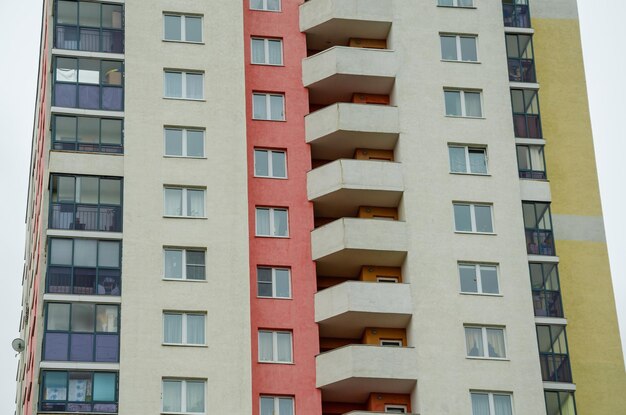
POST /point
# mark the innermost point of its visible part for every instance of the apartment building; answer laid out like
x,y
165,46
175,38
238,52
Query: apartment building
x,y
322,207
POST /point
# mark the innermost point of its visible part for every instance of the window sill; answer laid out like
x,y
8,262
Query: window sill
x,y
263,10
270,177
276,363
476,233
497,359
481,294
185,99
265,119
470,174
270,236
185,157
457,7
185,217
268,64
465,117
200,346
183,280
458,61
273,298
189,42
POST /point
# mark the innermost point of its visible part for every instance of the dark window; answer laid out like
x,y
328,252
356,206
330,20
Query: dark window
x,y
526,118
560,403
78,391
531,162
519,50
553,355
516,13
544,278
98,135
538,227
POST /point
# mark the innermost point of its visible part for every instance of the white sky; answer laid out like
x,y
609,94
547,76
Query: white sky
x,y
19,48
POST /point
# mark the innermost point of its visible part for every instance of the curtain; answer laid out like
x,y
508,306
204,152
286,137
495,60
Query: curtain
x,y
263,222
273,4
195,202
173,84
55,386
280,222
173,263
172,395
259,107
267,406
474,341
193,29
495,340
483,218
278,164
258,51
285,406
65,95
480,404
472,104
112,98
195,329
173,328
284,347
453,103
195,396
194,86
457,159
275,52
282,283
277,106
173,202
502,404
478,162
265,346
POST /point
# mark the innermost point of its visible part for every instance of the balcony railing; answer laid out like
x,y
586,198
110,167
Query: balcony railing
x,y
555,367
532,174
72,216
88,96
522,70
89,39
90,148
527,125
81,347
547,303
83,281
540,242
516,15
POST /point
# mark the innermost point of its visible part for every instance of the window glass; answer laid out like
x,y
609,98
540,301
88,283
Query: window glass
x,y
193,29
480,404
453,103
194,86
172,395
106,318
265,346
195,396
283,347
110,191
495,341
67,12
172,328
523,158
502,404
89,14
474,341
87,189
61,252
173,84
172,25
55,386
468,48
195,265
280,222
173,202
258,50
89,70
478,161
267,403
462,218
469,284
82,317
457,159
67,70
264,282
195,143
195,202
173,142
273,5
88,130
111,132
64,128
63,189
282,283
85,252
489,279
285,406
104,387
261,163
173,263
259,107
446,2
112,16
276,107
448,48
112,73
278,164
275,51
483,219
472,104
517,100
195,329
58,317
263,222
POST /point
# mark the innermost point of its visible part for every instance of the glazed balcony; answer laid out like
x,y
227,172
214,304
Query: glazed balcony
x,y
335,22
345,310
340,247
340,187
337,130
335,74
350,373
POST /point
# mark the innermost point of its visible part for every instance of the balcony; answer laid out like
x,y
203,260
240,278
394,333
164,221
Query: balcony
x,y
340,187
555,367
350,373
72,216
337,130
516,14
335,22
89,39
345,310
337,73
340,247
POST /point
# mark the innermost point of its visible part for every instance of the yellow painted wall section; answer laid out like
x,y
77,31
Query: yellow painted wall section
x,y
593,334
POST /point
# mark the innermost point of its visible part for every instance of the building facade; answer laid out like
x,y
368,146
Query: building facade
x,y
403,228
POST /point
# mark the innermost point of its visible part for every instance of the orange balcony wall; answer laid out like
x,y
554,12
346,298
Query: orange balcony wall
x,y
377,401
370,99
370,154
368,43
372,274
374,336
370,212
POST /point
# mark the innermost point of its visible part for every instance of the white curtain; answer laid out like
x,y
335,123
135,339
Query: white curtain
x,y
453,103
277,103
194,86
474,341
280,222
173,84
195,329
174,202
495,339
472,104
263,222
259,107
285,406
457,159
172,395
258,51
195,396
284,347
480,404
477,161
267,406
195,202
275,52
67,75
502,404
265,346
173,328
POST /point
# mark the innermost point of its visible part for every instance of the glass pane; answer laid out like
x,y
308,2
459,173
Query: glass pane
x,y
173,202
517,100
273,5
194,86
282,283
495,340
67,12
258,50
55,386
172,27
474,341
536,157
173,264
63,189
104,387
61,252
79,387
448,48
172,395
112,16
276,107
468,49
453,103
264,279
110,192
195,202
480,404
195,396
285,406
275,52
195,143
58,317
85,252
468,278
262,222
67,70
193,29
489,279
502,404
530,219
472,104
278,164
172,328
112,72
267,403
446,2
265,346
462,218
195,257
284,347
483,219
87,189
259,108
280,222
523,158
195,329
89,70
88,130
82,317
478,161
512,48
261,163
107,318
89,14
173,84
173,142
552,403
457,159
466,3
64,128
111,132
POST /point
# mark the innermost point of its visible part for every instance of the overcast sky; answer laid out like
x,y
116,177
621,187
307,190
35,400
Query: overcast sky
x,y
19,48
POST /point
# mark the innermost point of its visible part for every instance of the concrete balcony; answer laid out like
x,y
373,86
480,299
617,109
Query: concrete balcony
x,y
341,247
340,187
537,190
336,73
345,310
337,130
350,373
334,22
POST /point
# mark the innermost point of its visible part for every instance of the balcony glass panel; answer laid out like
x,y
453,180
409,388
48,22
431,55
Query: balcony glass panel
x,y
531,162
544,278
78,391
521,59
516,13
553,353
526,119
538,228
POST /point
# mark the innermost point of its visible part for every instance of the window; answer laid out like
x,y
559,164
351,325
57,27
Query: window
x,y
184,264
270,163
531,162
275,346
183,328
96,135
519,50
472,218
553,354
93,27
476,338
463,103
184,85
265,5
182,142
184,202
391,342
396,409
183,396
544,279
460,48
516,13
87,203
469,160
560,403
268,107
276,405
538,228
84,266
491,403
526,118
273,282
88,83
78,391
456,3
267,51
479,278
81,332
271,222
182,28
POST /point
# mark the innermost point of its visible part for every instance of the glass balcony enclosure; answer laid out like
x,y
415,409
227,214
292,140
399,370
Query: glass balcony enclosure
x,y
521,58
531,162
78,391
526,118
538,227
516,13
88,134
544,279
553,354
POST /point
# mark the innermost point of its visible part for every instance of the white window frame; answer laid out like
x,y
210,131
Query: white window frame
x,y
184,263
183,20
478,275
275,346
396,407
271,224
456,4
467,149
184,134
183,395
183,84
265,9
459,49
485,341
184,202
268,109
473,217
395,280
463,107
270,163
266,46
184,315
396,343
492,405
273,271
